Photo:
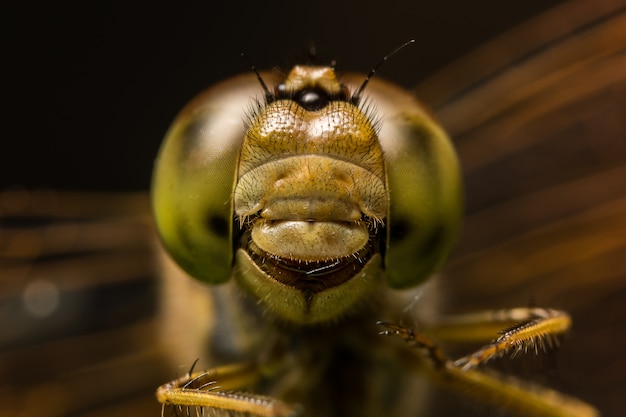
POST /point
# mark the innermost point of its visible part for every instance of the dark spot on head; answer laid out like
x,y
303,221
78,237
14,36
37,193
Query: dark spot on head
x,y
312,99
217,225
399,230
435,235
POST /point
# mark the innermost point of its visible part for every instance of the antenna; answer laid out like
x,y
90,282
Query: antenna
x,y
357,95
258,76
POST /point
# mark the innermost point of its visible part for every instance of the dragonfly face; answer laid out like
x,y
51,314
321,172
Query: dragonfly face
x,y
306,196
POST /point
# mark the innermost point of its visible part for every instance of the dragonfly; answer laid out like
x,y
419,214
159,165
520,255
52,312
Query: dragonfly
x,y
542,231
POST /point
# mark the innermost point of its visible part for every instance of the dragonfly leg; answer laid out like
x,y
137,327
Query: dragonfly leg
x,y
218,389
533,328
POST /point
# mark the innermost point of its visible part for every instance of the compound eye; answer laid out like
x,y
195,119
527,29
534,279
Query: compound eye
x,y
312,99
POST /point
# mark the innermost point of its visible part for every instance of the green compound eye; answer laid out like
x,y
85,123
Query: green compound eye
x,y
311,199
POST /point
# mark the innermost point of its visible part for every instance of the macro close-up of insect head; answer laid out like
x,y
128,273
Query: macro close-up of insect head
x,y
426,218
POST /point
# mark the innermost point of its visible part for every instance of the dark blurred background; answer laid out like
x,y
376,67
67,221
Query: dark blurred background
x,y
90,88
